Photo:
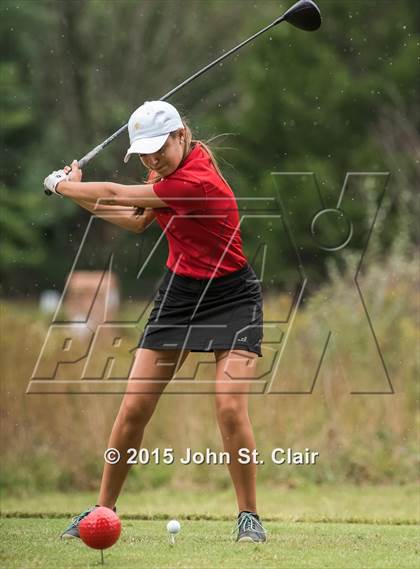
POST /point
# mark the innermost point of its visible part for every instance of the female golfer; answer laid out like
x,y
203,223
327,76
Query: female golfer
x,y
209,300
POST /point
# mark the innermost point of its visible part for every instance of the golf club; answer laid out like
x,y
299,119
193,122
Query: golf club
x,y
304,15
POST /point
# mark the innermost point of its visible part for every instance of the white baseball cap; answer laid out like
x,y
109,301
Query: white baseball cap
x,y
150,125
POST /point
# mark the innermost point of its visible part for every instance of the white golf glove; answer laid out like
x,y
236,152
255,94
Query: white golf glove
x,y
51,181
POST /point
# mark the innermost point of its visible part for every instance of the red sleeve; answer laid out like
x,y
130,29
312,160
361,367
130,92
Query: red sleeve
x,y
183,195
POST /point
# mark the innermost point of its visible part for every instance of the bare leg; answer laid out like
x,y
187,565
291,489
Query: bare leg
x,y
233,419
148,379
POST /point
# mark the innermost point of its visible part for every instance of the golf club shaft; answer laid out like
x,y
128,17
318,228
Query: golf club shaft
x,y
92,153
218,60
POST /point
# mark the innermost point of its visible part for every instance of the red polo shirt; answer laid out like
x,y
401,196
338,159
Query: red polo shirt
x,y
201,221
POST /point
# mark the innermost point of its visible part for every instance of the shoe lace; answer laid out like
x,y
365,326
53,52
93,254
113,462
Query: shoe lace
x,y
248,522
77,519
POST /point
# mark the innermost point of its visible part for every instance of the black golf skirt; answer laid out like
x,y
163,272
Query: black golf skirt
x,y
203,315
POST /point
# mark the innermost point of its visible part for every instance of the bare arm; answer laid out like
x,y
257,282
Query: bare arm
x,y
126,217
91,196
141,195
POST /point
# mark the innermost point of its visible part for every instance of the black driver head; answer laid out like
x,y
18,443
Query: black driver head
x,y
304,15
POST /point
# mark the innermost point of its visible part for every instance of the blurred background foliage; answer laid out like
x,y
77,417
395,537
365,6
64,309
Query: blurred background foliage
x,y
342,99
55,442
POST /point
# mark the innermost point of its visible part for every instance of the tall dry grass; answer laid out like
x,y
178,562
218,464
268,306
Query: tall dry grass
x,y
57,441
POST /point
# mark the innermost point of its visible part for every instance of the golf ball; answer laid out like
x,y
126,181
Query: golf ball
x,y
173,526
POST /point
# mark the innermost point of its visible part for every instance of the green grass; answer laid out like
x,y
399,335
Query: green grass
x,y
314,527
309,503
32,543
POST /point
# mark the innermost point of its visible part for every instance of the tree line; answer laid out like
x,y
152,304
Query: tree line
x,y
343,99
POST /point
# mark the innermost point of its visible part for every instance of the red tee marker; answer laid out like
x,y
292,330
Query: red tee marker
x,y
101,528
